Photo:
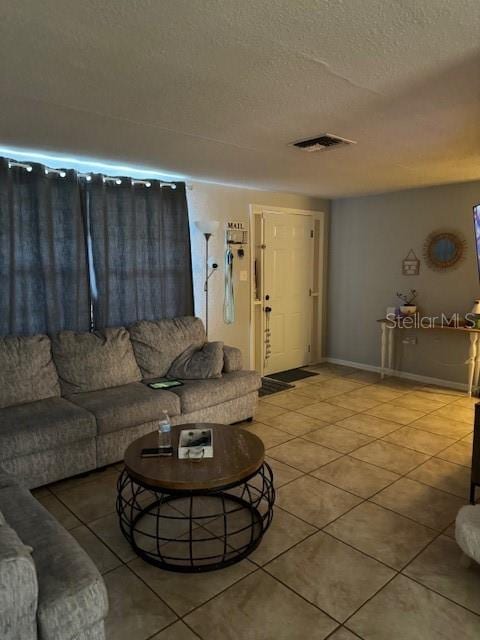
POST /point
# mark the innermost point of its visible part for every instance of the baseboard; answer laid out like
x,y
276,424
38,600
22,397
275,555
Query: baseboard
x,y
439,382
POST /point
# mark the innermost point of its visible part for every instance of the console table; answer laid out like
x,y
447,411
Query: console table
x,y
388,328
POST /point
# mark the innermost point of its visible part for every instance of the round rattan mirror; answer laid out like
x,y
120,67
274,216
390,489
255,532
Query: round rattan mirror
x,y
444,249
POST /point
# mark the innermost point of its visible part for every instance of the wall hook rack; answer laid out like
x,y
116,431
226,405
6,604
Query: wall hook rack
x,y
236,234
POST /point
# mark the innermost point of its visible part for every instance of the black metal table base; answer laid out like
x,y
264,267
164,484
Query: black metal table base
x,y
199,530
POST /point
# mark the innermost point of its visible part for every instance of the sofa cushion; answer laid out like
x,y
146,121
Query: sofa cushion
x,y
71,594
127,406
6,480
158,343
198,394
198,363
18,587
28,372
232,359
92,361
39,426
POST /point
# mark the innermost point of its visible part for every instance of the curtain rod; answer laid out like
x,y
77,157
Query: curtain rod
x,y
88,176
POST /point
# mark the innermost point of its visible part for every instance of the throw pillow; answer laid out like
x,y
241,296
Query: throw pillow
x,y
198,364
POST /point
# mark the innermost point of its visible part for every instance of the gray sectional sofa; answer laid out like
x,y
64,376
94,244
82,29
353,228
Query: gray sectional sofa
x,y
49,587
73,402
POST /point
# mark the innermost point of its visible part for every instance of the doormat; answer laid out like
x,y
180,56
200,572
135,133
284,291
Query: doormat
x,y
270,386
292,374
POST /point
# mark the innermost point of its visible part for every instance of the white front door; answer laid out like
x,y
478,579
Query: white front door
x,y
288,269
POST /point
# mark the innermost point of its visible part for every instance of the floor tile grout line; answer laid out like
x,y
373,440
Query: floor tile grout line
x,y
412,424
405,475
442,595
195,633
400,573
262,567
103,541
441,405
219,593
368,555
298,518
290,588
149,588
369,500
425,484
323,530
342,454
356,495
88,477
397,572
310,472
334,395
395,431
430,457
69,509
255,567
373,439
331,635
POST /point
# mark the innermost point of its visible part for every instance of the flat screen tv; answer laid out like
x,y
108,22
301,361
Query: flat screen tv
x,y
476,225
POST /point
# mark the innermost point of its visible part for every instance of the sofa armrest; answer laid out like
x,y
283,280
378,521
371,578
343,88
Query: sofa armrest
x,y
232,359
6,479
72,596
18,587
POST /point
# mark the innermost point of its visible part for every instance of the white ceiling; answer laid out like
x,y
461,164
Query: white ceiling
x,y
216,89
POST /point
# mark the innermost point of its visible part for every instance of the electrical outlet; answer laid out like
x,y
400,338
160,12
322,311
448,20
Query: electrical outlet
x,y
410,340
243,276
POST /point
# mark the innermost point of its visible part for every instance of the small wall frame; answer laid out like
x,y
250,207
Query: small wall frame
x,y
411,264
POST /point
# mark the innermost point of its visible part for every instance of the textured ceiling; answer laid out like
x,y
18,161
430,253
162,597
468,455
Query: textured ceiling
x,y
216,89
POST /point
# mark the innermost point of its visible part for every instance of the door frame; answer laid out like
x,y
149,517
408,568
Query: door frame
x,y
257,317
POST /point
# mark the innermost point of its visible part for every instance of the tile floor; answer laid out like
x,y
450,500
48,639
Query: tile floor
x,y
369,475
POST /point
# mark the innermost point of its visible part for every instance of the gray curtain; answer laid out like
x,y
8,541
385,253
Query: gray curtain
x,y
43,270
140,248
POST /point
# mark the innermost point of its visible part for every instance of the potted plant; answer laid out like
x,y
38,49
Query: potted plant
x,y
407,308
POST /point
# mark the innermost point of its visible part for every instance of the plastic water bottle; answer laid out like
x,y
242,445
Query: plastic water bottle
x,y
164,431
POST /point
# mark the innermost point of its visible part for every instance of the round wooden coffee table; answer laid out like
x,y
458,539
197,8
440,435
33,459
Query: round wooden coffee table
x,y
196,515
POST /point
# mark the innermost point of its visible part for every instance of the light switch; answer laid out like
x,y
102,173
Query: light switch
x,y
243,276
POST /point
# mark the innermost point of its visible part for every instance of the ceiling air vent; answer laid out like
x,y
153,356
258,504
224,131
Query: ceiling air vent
x,y
321,143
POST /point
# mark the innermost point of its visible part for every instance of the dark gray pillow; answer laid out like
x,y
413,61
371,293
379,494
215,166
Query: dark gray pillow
x,y
28,372
198,364
92,361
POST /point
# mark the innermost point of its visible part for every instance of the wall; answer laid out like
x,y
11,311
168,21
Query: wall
x,y
216,202
369,237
